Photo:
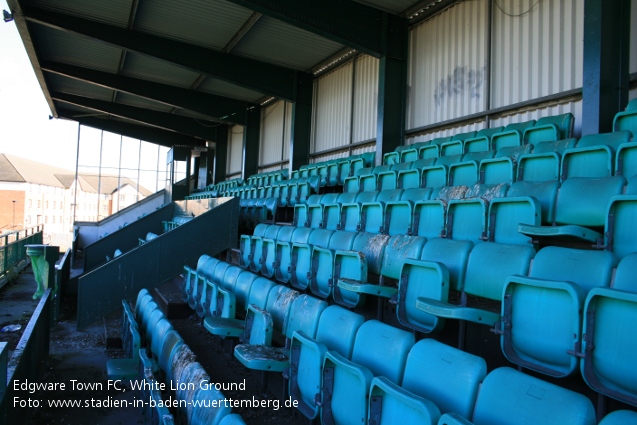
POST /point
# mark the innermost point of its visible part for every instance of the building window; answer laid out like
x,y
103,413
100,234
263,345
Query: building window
x,y
30,203
46,205
122,197
38,203
53,219
60,219
105,208
46,219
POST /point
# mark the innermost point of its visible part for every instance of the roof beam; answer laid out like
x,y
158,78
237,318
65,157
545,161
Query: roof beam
x,y
255,75
134,131
176,123
353,24
213,106
247,26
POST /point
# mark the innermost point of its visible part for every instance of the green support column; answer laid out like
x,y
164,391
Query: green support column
x,y
392,88
251,143
301,128
606,57
221,154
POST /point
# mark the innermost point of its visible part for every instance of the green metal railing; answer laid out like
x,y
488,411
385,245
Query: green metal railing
x,y
12,245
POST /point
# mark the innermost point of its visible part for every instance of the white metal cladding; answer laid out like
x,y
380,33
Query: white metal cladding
x,y
574,107
633,36
537,54
333,109
365,98
235,150
632,94
328,157
361,150
447,65
447,132
272,127
287,135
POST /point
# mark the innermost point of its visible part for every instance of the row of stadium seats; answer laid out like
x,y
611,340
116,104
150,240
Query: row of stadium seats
x,y
348,370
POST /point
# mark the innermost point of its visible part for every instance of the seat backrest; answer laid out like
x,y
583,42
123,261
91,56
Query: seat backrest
x,y
490,264
505,214
586,268
466,220
584,201
497,170
337,329
259,292
398,248
304,315
463,173
230,277
242,287
206,267
453,254
445,375
539,167
279,303
464,136
171,341
625,274
514,398
416,194
621,225
382,349
320,237
620,417
373,246
434,176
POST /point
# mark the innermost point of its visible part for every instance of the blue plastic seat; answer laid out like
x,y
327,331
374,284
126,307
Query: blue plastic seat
x,y
283,256
514,398
412,177
506,215
627,120
336,332
454,147
608,336
482,140
268,258
303,316
620,417
247,245
489,266
582,204
428,219
448,377
620,231
390,404
550,128
301,257
541,319
232,419
511,135
372,214
379,350
350,292
322,273
441,267
466,220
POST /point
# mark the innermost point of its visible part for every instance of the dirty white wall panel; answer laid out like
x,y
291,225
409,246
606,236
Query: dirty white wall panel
x,y
235,149
447,65
365,98
632,94
358,151
537,54
269,169
446,132
633,37
574,107
333,109
272,127
287,135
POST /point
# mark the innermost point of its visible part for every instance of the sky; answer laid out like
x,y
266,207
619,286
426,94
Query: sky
x,y
27,131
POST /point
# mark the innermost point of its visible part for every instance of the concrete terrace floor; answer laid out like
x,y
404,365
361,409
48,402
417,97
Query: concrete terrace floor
x,y
78,359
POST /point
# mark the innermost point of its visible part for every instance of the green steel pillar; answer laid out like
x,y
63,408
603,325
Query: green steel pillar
x,y
392,87
606,59
301,122
251,143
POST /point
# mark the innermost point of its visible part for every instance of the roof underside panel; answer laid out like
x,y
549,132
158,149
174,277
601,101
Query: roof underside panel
x,y
201,119
222,88
59,83
283,44
113,12
152,69
140,102
206,23
393,6
59,46
78,111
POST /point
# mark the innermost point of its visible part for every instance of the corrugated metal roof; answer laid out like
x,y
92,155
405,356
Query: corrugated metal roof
x,y
203,119
113,12
222,88
59,46
283,44
207,23
152,69
140,102
64,84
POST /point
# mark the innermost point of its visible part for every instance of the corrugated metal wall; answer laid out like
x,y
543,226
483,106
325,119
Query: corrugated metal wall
x,y
235,149
537,54
274,143
446,132
447,65
365,98
333,109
